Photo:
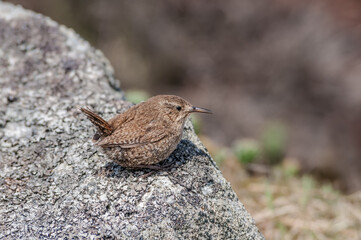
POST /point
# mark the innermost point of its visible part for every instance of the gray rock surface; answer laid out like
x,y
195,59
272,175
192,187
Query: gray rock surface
x,y
53,181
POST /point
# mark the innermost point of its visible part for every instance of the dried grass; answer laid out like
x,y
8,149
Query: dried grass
x,y
297,207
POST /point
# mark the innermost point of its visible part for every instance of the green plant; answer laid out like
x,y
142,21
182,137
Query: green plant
x,y
136,96
269,196
196,124
290,167
282,229
246,150
308,184
274,142
220,156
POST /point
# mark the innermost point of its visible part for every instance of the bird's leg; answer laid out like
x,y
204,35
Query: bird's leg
x,y
155,168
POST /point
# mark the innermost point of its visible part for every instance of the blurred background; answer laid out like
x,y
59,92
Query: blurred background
x,y
283,79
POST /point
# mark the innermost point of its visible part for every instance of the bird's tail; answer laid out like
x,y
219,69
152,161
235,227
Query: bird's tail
x,y
104,128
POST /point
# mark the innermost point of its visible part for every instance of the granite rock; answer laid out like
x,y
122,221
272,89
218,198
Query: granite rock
x,y
53,181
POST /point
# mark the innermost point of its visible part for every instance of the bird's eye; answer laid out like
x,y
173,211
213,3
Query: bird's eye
x,y
179,108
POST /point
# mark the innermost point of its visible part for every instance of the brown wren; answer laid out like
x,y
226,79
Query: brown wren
x,y
145,134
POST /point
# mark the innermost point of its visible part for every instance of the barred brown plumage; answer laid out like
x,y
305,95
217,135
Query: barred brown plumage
x,y
145,134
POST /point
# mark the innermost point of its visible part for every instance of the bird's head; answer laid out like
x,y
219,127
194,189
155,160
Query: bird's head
x,y
176,108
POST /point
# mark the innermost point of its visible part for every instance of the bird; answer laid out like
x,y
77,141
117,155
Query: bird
x,y
145,134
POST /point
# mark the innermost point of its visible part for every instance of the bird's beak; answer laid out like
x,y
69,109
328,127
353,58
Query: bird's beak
x,y
200,110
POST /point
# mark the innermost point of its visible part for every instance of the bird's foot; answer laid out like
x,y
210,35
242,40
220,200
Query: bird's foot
x,y
156,168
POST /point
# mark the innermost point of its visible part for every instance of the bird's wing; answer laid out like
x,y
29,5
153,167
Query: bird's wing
x,y
131,135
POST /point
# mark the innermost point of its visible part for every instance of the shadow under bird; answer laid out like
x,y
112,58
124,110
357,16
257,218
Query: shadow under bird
x,y
145,134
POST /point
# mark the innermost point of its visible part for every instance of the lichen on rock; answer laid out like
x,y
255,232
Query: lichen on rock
x,y
55,184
